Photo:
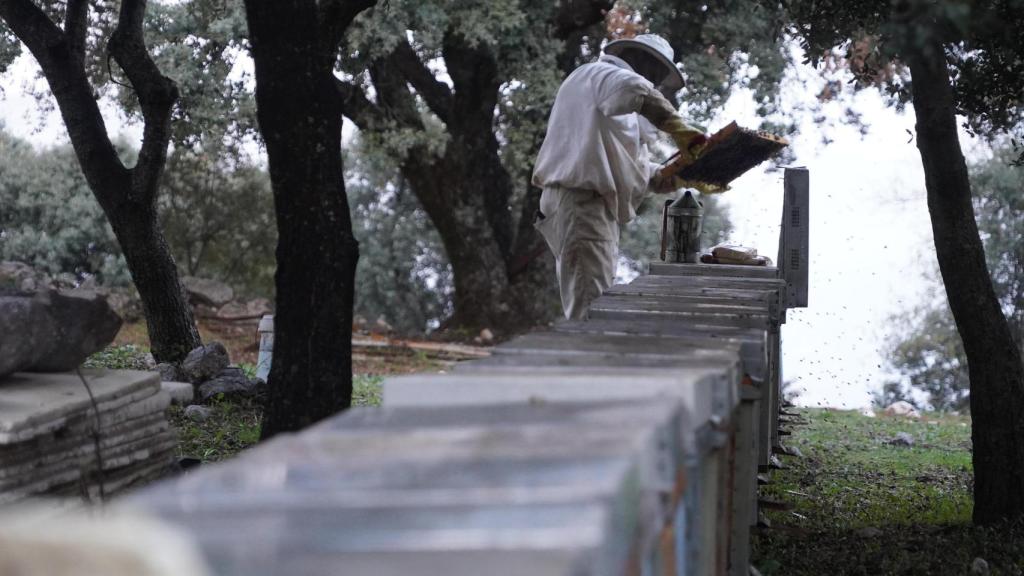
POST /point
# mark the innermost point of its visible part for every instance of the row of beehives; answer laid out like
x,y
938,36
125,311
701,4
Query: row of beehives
x,y
625,444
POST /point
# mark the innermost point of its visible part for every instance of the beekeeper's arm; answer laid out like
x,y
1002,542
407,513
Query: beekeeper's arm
x,y
656,108
631,93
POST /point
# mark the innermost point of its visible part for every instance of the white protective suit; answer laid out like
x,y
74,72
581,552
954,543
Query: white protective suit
x,y
594,171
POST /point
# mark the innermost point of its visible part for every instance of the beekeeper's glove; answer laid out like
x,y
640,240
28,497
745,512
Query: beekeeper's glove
x,y
689,140
660,112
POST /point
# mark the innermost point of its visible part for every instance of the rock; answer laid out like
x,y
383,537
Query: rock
x,y
381,326
206,291
901,439
205,362
169,372
902,408
869,532
181,393
867,413
197,413
21,276
230,382
979,566
51,330
486,336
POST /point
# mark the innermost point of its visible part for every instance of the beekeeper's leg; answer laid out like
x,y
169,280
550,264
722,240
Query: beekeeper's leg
x,y
586,266
583,236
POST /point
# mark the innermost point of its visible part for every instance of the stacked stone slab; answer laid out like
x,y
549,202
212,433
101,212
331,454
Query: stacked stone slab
x,y
56,440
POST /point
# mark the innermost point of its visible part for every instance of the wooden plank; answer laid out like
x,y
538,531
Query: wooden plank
x,y
706,296
794,245
686,304
582,480
723,283
752,342
707,394
712,270
611,309
635,348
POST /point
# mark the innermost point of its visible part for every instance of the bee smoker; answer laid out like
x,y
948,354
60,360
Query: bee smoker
x,y
681,229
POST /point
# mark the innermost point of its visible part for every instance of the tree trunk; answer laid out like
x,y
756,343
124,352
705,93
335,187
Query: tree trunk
x,y
172,330
994,361
127,195
504,292
300,116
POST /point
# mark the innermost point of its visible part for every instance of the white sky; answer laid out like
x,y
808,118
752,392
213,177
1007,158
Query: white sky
x,y
871,243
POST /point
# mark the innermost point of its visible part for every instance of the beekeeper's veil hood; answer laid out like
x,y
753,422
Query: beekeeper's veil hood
x,y
657,47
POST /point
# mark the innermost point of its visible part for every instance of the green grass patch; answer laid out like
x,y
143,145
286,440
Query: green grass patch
x,y
865,506
366,390
119,357
234,425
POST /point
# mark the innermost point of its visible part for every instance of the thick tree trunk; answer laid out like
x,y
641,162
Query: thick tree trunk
x,y
994,361
300,116
502,291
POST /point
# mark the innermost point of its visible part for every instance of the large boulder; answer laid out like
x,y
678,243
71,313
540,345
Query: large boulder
x,y
207,292
52,330
205,362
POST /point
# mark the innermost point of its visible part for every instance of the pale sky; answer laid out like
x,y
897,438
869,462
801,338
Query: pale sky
x,y
871,243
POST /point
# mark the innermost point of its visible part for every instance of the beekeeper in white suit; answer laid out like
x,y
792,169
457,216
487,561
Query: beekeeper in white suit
x,y
594,166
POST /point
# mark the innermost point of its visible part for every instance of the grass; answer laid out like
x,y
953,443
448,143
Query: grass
x,y
864,506
123,357
233,424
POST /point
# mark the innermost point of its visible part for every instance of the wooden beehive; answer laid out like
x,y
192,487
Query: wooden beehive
x,y
729,153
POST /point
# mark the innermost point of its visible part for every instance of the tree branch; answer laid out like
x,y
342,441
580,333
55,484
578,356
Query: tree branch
x,y
435,93
76,24
393,94
358,108
70,87
336,16
474,73
156,92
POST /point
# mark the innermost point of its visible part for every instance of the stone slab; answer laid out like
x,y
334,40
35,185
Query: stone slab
x,y
79,446
36,403
181,393
118,456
